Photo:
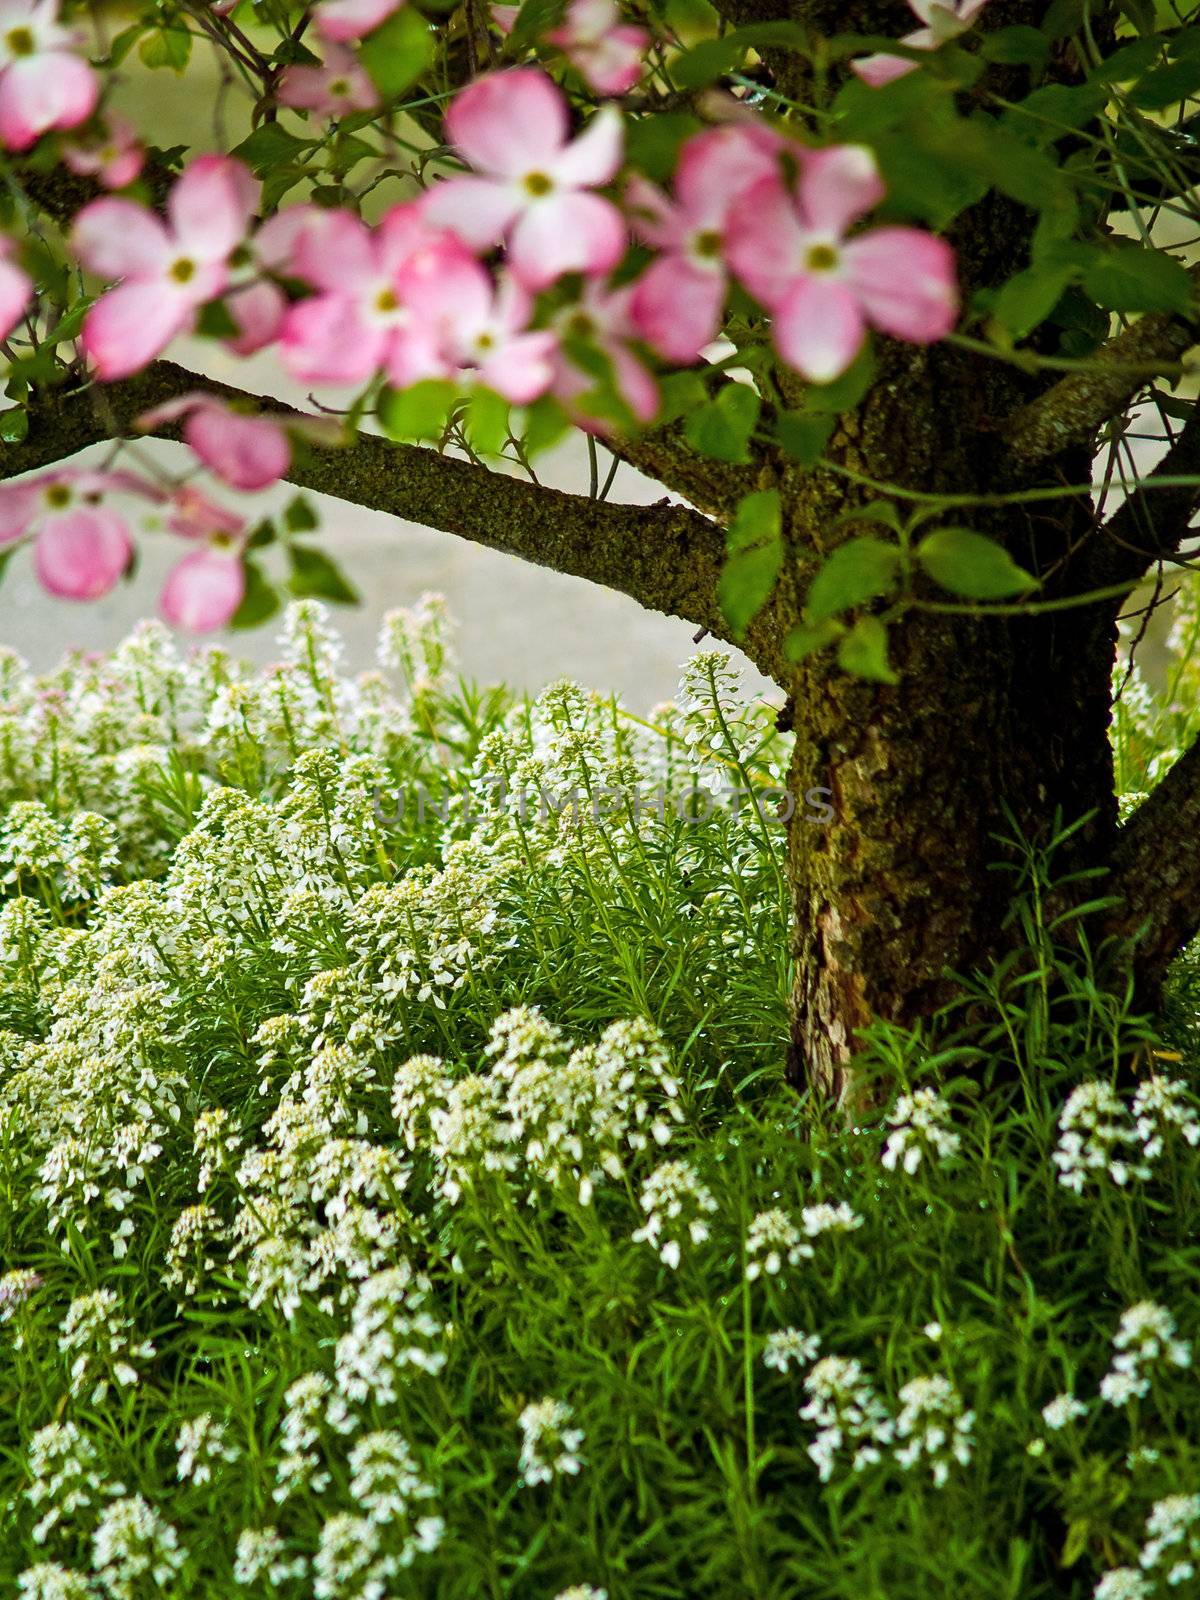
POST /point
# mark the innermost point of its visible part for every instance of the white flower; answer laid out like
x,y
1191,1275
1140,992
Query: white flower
x,y
789,1345
934,1426
1097,1135
1173,1534
50,1581
847,1412
549,1444
201,1444
582,1591
384,1480
676,1204
131,1544
64,1476
1123,1583
1063,1410
1145,1341
772,1239
261,1556
922,1124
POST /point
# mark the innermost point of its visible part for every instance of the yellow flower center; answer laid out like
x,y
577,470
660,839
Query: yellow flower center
x,y
537,184
20,42
183,270
821,258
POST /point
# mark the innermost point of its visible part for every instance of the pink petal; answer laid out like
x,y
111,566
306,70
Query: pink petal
x,y
119,239
333,250
196,515
52,89
764,241
203,590
522,368
717,166
80,554
247,452
566,233
880,69
595,156
445,286
351,19
505,17
508,123
653,217
211,206
479,210
819,328
677,307
614,64
635,383
906,281
130,326
18,507
412,353
258,312
324,340
15,289
837,186
403,232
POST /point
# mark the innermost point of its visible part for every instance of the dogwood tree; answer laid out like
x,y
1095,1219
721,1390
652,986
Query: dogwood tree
x,y
886,308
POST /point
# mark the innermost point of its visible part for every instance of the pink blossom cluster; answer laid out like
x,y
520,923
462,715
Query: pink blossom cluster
x,y
941,21
514,272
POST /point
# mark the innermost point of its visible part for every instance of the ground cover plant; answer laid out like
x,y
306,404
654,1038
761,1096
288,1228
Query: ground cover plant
x,y
406,1200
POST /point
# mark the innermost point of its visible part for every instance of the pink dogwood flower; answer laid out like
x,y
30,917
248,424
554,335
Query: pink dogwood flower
x,y
678,301
602,319
606,52
361,322
789,248
16,286
113,154
43,83
336,88
245,452
204,590
484,327
505,17
943,20
343,20
81,546
168,271
532,184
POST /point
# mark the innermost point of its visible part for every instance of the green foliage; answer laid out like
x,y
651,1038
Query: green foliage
x,y
721,428
972,565
755,543
398,51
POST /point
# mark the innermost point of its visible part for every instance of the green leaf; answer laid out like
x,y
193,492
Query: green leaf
x,y
1132,278
261,600
487,422
804,437
1019,46
1028,298
806,639
419,412
857,571
299,515
397,53
704,63
970,564
545,424
680,394
14,425
315,576
270,146
533,20
215,321
1167,86
755,555
1056,109
864,652
166,47
722,428
844,393
652,144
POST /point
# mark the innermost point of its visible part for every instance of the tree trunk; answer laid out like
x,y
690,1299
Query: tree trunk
x,y
993,721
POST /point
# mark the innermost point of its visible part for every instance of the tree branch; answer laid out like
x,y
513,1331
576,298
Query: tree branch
x,y
1075,408
1156,873
667,557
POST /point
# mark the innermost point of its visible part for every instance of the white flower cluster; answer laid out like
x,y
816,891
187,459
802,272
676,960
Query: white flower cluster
x,y
133,1548
561,1115
64,1476
1146,1341
1101,1136
789,1346
1172,1542
99,1338
550,1444
921,1121
848,1414
677,1205
934,1426
201,1444
773,1238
